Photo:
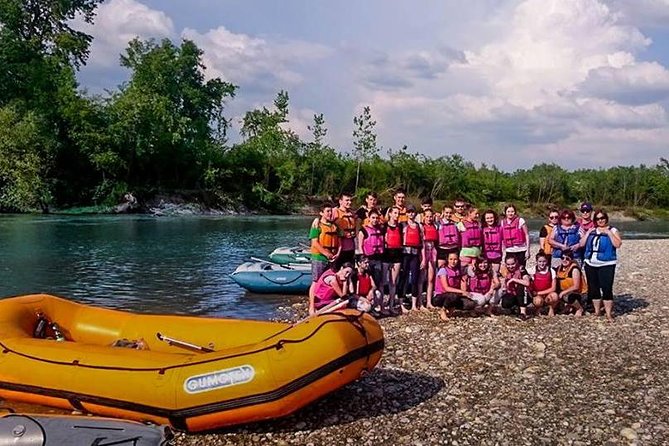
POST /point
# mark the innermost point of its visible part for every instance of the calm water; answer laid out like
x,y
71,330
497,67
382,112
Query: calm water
x,y
162,265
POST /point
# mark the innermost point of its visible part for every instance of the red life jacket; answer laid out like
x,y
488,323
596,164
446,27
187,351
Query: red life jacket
x,y
393,237
449,236
453,278
430,233
512,233
480,283
373,243
364,284
412,236
472,235
542,280
492,242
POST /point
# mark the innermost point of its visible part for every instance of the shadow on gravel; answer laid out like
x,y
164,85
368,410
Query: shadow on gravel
x,y
627,303
384,391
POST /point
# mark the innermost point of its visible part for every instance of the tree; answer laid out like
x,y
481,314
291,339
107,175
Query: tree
x,y
364,140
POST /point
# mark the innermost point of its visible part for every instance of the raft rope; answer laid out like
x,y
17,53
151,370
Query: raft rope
x,y
341,317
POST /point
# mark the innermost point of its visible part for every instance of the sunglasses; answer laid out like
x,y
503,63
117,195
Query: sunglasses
x,y
601,218
553,217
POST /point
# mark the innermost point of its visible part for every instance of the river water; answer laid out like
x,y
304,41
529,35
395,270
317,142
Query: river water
x,y
162,265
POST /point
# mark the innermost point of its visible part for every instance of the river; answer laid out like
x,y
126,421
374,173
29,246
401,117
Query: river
x,y
161,264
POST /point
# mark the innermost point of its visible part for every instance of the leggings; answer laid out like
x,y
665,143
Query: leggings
x,y
376,271
600,281
409,275
512,300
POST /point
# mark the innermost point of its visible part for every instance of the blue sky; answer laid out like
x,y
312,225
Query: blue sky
x,y
581,83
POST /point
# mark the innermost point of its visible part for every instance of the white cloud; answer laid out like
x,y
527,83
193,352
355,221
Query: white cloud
x,y
119,21
643,12
247,60
562,74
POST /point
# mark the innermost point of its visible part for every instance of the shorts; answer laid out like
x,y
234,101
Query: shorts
x,y
442,253
480,299
317,269
392,255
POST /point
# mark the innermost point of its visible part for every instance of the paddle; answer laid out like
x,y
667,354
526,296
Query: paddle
x,y
183,344
332,306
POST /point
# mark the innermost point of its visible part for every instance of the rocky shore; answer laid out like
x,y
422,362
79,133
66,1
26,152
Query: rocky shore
x,y
502,381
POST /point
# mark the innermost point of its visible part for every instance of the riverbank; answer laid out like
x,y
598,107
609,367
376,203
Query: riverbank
x,y
487,381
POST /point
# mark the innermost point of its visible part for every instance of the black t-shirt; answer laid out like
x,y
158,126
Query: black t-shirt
x,y
361,213
543,232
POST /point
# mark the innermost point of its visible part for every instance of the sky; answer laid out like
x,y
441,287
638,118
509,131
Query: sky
x,y
510,83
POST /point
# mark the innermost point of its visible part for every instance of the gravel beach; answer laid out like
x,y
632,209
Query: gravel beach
x,y
501,381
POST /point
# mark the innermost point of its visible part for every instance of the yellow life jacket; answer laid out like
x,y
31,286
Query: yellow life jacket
x,y
565,281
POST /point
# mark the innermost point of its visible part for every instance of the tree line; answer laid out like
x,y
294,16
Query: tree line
x,y
165,131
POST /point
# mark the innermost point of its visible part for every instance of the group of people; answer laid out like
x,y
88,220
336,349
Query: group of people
x,y
402,259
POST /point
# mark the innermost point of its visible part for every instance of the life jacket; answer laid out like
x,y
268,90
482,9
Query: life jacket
x,y
602,245
449,236
567,237
364,284
393,237
373,243
430,233
480,283
514,288
585,226
565,281
472,236
453,278
346,222
324,293
403,217
548,249
412,236
328,238
542,280
492,242
512,233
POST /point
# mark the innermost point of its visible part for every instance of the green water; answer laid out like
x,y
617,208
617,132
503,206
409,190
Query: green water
x,y
161,265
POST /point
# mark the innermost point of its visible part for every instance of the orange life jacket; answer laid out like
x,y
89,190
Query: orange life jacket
x,y
328,238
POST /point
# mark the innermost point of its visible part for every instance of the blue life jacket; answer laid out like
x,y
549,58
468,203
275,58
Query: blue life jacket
x,y
602,245
567,237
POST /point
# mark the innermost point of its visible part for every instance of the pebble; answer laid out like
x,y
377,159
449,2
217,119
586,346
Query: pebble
x,y
488,381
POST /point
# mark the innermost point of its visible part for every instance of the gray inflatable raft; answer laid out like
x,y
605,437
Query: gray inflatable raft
x,y
60,430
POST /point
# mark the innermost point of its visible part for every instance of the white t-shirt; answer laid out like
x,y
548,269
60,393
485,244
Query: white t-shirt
x,y
593,260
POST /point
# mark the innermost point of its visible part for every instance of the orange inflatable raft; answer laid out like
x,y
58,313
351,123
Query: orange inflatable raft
x,y
193,373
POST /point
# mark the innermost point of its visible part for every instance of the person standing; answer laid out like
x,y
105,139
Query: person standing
x,y
392,257
546,231
412,259
449,237
429,266
400,203
601,244
371,202
345,221
471,235
460,210
325,247
492,239
566,236
585,221
515,236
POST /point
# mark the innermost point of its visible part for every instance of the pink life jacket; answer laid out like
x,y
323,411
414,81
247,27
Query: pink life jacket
x,y
373,243
472,236
449,236
324,293
585,226
542,280
453,278
480,283
513,233
492,242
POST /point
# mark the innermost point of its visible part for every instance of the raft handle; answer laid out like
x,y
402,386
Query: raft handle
x,y
183,344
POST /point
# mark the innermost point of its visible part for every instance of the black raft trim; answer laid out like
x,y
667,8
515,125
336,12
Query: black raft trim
x,y
178,417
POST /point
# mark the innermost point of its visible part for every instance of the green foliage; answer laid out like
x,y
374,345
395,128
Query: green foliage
x,y
25,152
